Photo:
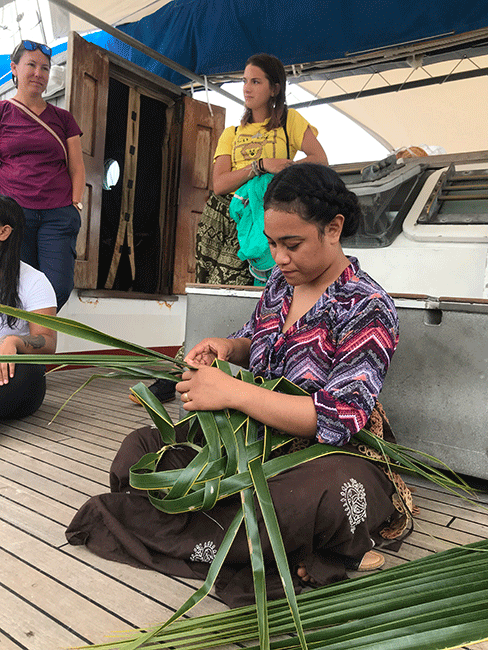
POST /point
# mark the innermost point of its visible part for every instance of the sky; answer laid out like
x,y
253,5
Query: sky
x,y
342,139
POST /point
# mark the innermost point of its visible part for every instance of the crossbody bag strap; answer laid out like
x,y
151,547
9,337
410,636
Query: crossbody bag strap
x,y
35,117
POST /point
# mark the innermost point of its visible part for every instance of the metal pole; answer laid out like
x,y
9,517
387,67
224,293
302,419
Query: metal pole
x,y
129,40
457,76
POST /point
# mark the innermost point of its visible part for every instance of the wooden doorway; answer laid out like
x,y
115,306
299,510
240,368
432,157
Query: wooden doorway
x,y
139,236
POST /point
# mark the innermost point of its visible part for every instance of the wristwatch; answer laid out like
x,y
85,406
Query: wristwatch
x,y
78,205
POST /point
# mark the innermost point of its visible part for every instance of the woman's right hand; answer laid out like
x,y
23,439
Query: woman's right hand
x,y
7,370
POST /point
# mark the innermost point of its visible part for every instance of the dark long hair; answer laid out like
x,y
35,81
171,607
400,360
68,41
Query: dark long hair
x,y
275,73
317,194
11,214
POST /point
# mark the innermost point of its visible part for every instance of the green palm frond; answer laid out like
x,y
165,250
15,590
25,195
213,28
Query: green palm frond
x,y
435,603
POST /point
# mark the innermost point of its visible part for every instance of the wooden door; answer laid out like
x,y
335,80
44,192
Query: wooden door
x,y
200,134
86,99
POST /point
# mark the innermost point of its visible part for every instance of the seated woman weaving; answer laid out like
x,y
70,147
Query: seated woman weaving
x,y
325,325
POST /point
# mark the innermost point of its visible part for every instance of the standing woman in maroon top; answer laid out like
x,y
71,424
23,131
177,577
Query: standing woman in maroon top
x,y
41,167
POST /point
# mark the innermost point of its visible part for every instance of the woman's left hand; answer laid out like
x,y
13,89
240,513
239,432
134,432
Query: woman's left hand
x,y
207,389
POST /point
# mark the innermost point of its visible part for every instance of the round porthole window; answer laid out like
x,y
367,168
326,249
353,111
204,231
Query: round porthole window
x,y
111,173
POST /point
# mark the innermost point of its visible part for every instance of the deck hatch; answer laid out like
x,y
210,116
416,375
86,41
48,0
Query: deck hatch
x,y
385,201
452,206
459,197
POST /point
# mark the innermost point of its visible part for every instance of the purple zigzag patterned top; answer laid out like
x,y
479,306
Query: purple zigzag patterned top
x,y
339,351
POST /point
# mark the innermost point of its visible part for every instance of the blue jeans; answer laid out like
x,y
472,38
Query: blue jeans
x,y
50,245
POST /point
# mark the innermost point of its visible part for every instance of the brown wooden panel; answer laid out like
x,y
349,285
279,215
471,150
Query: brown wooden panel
x,y
201,132
87,97
201,171
88,113
82,243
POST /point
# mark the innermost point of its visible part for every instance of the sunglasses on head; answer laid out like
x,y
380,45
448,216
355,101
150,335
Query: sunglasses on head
x,y
31,46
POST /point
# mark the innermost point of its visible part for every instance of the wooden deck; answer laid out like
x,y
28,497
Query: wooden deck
x,y
55,596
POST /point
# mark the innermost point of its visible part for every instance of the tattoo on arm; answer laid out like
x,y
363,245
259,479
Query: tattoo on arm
x,y
34,342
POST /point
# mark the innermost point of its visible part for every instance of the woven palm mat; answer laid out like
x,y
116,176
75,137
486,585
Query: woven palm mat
x,y
402,500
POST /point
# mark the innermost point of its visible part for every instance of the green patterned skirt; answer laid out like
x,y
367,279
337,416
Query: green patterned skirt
x,y
217,246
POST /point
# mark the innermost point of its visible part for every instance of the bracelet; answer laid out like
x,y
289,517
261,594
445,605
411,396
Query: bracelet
x,y
257,167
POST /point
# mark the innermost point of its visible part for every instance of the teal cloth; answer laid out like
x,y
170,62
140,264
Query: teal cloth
x,y
246,208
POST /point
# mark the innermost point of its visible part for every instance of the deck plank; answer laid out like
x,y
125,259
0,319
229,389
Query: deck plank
x,y
145,582
63,443
6,643
55,595
33,629
41,485
57,474
39,503
72,609
77,463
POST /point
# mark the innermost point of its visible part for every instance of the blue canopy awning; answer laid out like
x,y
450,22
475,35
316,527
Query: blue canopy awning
x,y
213,37
217,36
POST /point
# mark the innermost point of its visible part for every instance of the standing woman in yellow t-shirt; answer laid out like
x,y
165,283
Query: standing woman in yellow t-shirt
x,y
267,140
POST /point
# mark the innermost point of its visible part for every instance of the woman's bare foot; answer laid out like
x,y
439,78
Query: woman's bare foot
x,y
303,575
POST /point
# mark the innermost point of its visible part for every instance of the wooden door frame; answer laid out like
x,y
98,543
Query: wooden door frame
x,y
86,99
201,128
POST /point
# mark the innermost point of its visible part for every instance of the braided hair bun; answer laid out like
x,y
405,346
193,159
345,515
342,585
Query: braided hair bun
x,y
317,194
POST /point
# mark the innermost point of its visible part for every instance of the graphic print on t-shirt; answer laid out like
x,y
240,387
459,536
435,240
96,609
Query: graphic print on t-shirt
x,y
250,147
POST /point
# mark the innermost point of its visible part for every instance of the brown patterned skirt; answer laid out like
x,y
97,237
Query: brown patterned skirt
x,y
330,510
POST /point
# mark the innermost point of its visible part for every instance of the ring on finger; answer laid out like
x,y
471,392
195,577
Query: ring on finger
x,y
185,397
